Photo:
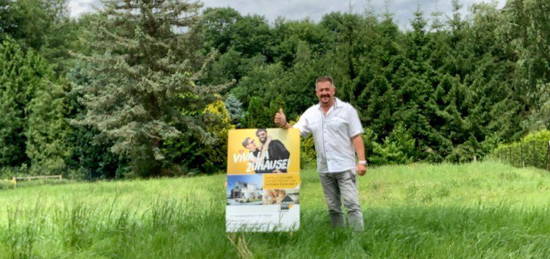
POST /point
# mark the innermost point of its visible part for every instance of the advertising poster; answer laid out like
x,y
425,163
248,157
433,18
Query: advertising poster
x,y
263,180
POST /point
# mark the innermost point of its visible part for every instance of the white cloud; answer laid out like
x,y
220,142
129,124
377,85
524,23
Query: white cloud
x,y
79,7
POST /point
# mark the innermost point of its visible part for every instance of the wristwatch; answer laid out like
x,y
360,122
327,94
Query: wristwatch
x,y
362,162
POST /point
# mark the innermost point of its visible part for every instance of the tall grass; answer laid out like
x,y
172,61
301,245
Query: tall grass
x,y
478,210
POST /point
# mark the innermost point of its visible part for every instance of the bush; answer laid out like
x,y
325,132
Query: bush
x,y
531,150
8,172
185,155
397,148
543,135
308,155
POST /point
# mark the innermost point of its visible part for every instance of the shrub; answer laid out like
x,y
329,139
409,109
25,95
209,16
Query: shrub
x,y
397,148
531,150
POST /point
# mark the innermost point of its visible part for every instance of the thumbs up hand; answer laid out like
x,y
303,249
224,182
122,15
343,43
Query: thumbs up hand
x,y
280,119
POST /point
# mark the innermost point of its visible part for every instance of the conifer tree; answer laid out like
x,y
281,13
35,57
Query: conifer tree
x,y
235,109
13,99
32,127
21,75
257,116
297,85
46,130
146,90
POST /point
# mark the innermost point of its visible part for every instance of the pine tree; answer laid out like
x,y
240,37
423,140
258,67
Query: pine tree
x,y
146,89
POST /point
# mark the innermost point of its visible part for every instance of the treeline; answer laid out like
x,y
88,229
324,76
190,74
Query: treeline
x,y
149,88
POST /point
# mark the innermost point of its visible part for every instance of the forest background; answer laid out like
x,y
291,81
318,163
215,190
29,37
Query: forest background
x,y
150,88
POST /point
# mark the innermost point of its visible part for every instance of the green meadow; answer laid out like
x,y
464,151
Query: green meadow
x,y
476,210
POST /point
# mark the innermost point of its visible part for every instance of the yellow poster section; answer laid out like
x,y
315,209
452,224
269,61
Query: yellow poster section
x,y
240,158
281,181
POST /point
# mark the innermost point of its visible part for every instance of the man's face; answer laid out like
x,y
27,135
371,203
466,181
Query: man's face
x,y
325,92
262,135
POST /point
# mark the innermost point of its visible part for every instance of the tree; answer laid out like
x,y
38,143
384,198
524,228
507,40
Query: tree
x,y
216,28
146,90
21,75
257,116
90,153
6,20
349,47
528,30
235,109
47,129
33,125
42,25
193,156
256,82
252,36
289,35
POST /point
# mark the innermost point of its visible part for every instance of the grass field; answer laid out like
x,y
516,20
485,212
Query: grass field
x,y
478,210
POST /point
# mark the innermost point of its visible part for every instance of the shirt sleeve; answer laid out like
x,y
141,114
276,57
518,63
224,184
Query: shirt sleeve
x,y
355,127
302,125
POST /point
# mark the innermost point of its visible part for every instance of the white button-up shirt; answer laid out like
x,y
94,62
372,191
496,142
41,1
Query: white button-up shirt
x,y
332,133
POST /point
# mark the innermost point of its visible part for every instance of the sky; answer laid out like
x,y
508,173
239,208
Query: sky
x,y
315,9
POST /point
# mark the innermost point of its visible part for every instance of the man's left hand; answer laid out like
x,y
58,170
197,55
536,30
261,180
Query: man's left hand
x,y
361,169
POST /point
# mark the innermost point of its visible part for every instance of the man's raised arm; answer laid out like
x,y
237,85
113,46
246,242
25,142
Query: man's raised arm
x,y
280,120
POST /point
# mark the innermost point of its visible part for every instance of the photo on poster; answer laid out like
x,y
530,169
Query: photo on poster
x,y
282,189
245,190
263,151
286,198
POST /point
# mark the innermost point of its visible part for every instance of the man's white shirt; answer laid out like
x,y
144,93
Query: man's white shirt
x,y
332,133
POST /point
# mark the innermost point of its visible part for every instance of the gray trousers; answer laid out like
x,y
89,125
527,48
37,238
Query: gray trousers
x,y
341,187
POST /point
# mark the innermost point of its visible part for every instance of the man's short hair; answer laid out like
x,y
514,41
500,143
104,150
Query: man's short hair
x,y
246,141
260,130
324,79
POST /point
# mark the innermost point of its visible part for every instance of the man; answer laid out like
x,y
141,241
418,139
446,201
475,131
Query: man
x,y
337,131
273,157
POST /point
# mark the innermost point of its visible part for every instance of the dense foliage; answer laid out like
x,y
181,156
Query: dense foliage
x,y
150,88
531,150
32,126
